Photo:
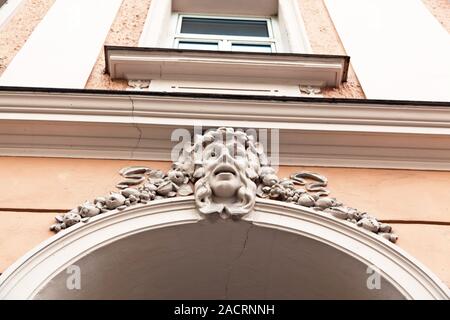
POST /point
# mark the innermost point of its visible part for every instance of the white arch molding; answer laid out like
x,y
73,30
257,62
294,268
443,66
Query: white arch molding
x,y
266,244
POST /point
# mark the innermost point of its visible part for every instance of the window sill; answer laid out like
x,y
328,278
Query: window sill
x,y
137,63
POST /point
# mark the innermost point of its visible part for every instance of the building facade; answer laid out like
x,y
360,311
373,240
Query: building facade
x,y
279,149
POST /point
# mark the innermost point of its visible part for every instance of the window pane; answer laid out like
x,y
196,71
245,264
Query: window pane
x,y
228,27
251,47
198,45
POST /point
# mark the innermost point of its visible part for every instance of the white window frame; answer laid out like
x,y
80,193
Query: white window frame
x,y
287,35
287,22
225,42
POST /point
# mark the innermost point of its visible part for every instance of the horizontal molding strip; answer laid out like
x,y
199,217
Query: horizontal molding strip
x,y
29,210
313,131
140,63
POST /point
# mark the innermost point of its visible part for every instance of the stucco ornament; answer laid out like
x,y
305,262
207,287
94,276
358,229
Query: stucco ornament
x,y
225,170
225,184
138,84
310,91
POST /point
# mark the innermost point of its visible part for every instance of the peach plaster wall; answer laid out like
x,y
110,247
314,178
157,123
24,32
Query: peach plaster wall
x,y
414,202
325,40
125,31
441,11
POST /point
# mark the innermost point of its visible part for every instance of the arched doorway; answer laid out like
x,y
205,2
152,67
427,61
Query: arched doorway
x,y
168,250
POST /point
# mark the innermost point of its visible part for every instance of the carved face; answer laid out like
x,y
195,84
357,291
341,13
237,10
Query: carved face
x,y
224,165
225,186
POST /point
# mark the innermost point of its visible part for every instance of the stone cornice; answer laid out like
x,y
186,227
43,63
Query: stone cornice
x,y
313,131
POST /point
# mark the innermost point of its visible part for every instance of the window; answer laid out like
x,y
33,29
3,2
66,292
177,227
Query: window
x,y
223,47
224,33
283,21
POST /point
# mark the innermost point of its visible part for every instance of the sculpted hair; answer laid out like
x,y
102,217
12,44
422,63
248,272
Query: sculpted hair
x,y
245,195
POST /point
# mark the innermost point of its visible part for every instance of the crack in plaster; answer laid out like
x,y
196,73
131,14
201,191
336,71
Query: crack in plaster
x,y
230,268
137,128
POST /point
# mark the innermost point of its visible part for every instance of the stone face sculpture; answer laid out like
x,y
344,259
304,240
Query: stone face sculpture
x,y
226,186
226,170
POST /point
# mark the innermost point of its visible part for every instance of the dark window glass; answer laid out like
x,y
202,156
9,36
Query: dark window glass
x,y
198,45
227,27
251,47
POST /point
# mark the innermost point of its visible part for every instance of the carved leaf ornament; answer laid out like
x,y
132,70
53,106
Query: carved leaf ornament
x,y
225,170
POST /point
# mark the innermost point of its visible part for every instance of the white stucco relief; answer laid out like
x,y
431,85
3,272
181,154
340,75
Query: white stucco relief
x,y
226,170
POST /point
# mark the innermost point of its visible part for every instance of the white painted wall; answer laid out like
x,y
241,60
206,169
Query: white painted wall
x,y
7,10
397,47
156,30
64,47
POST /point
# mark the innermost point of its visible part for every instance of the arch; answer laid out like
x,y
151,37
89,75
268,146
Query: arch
x,y
302,234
